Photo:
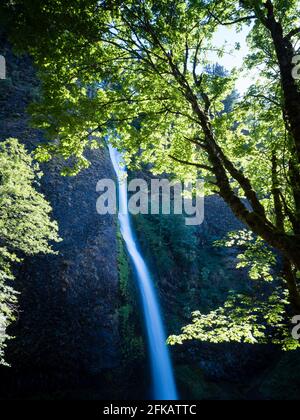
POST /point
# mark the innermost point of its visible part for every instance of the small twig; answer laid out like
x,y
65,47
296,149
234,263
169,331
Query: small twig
x,y
198,165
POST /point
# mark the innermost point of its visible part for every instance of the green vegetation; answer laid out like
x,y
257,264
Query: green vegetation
x,y
260,316
166,239
26,227
242,319
145,63
132,342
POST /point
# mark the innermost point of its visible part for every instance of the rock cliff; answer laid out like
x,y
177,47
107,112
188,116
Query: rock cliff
x,y
68,323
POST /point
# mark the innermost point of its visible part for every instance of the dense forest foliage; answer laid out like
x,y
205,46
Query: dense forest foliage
x,y
137,72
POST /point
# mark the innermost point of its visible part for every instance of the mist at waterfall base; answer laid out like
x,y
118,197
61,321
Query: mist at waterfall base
x,y
164,387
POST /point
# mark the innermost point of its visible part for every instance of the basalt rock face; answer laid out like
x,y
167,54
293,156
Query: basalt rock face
x,y
68,306
73,296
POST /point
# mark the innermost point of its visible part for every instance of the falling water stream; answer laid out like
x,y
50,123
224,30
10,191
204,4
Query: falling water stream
x,y
161,367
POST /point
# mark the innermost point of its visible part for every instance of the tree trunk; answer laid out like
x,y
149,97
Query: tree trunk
x,y
294,292
288,273
285,52
256,220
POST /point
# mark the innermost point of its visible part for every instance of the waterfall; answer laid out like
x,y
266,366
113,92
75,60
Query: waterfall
x,y
162,373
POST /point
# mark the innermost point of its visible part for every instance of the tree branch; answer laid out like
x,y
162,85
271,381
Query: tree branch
x,y
198,165
196,142
197,80
292,33
260,96
233,22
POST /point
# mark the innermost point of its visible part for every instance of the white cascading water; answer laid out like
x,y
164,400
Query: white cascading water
x,y
162,373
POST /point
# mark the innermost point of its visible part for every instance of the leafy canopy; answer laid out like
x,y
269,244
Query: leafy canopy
x,y
136,72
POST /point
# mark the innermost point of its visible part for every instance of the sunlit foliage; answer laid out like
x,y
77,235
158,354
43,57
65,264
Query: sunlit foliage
x,y
137,73
26,227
